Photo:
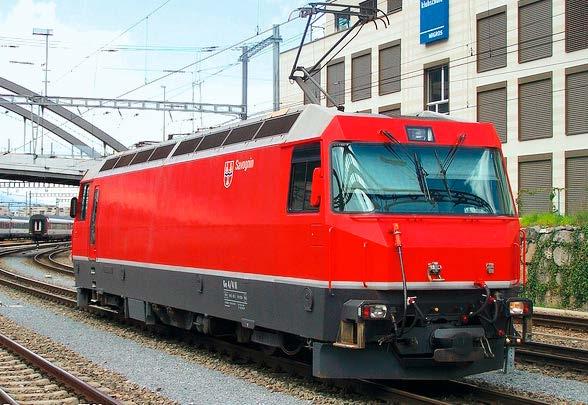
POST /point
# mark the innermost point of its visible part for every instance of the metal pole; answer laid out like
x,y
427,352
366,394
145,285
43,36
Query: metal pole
x,y
276,81
163,113
193,116
33,138
200,99
46,81
24,135
244,60
46,61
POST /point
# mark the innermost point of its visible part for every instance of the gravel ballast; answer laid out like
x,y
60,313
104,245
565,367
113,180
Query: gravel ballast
x,y
171,376
112,384
524,381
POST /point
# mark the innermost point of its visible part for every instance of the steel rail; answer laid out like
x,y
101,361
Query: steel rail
x,y
58,251
491,395
54,289
23,247
560,356
52,264
12,243
74,383
7,399
561,322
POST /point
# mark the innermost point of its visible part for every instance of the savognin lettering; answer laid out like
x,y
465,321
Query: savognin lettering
x,y
244,164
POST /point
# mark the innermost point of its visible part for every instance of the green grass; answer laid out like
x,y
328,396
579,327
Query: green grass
x,y
551,219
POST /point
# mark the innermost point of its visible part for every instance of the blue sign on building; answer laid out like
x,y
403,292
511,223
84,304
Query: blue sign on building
x,y
434,20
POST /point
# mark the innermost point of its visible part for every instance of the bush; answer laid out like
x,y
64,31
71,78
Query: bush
x,y
550,219
567,283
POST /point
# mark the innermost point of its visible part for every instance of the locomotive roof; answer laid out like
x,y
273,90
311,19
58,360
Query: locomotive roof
x,y
279,127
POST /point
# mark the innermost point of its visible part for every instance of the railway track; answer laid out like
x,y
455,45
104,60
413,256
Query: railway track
x,y
423,393
560,321
26,377
560,356
47,260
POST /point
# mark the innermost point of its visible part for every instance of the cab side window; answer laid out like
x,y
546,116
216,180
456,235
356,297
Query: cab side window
x,y
84,202
305,159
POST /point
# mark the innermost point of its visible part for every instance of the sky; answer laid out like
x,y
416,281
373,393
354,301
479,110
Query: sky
x,y
107,48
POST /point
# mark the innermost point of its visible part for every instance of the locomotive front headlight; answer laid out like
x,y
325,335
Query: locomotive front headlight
x,y
374,311
519,308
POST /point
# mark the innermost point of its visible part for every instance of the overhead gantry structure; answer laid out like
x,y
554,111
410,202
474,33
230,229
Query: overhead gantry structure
x,y
23,96
49,126
62,112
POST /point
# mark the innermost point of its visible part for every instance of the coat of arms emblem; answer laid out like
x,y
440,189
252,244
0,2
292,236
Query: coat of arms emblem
x,y
229,168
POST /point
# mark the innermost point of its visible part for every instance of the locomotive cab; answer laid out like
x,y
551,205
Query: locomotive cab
x,y
430,229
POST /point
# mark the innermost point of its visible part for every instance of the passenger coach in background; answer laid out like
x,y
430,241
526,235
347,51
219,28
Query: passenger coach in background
x,y
14,228
384,247
46,228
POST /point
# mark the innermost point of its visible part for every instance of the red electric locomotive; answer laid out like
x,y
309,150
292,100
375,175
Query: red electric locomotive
x,y
387,247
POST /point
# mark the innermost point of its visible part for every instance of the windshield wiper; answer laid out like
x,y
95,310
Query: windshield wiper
x,y
420,172
443,174
451,154
463,197
422,177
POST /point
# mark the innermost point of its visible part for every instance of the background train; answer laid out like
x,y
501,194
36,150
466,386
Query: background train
x,y
14,228
382,247
49,228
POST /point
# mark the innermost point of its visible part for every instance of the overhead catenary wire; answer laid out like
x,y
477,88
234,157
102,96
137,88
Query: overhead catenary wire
x,y
81,62
222,50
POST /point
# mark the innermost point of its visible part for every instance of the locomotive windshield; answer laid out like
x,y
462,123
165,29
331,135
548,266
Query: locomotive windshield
x,y
427,179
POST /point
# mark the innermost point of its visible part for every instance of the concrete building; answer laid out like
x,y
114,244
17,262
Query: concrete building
x,y
522,65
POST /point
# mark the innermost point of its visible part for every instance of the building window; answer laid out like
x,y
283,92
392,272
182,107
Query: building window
x,y
304,160
368,6
491,39
535,184
336,82
491,107
576,32
342,20
316,76
577,183
394,6
535,30
389,68
437,89
392,110
535,107
361,75
577,101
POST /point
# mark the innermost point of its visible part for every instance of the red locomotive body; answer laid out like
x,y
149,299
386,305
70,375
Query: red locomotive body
x,y
388,247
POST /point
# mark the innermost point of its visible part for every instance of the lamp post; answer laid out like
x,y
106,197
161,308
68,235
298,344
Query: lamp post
x,y
46,32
